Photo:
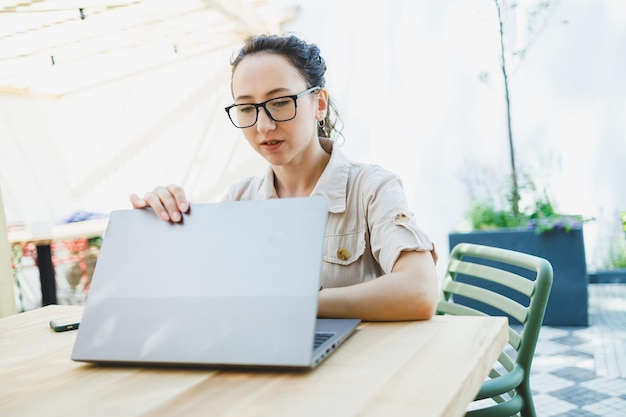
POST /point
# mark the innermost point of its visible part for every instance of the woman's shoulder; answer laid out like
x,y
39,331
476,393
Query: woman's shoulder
x,y
360,171
372,175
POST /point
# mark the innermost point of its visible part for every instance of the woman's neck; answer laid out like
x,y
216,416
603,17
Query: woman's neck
x,y
300,178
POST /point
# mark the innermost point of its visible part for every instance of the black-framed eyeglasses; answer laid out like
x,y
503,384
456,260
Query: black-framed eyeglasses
x,y
279,109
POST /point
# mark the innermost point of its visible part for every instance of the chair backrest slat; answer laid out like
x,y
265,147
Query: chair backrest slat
x,y
506,278
515,339
502,303
506,361
446,307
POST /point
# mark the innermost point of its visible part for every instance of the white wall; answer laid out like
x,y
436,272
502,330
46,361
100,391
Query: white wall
x,y
405,74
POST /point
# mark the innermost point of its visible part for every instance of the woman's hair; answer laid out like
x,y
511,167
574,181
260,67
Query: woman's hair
x,y
306,58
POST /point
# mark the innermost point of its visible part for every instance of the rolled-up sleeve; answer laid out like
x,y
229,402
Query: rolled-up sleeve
x,y
393,228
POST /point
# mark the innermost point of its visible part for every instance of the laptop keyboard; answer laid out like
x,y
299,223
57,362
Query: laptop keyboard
x,y
321,338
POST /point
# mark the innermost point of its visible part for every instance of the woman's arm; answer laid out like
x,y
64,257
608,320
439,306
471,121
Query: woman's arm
x,y
409,292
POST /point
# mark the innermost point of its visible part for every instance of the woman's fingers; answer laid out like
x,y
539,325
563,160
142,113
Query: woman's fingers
x,y
180,197
167,202
136,201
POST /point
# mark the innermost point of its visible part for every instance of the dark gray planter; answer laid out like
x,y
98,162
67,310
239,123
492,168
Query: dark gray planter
x,y
569,298
613,276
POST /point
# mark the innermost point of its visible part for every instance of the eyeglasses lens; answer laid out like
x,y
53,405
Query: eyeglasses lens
x,y
280,109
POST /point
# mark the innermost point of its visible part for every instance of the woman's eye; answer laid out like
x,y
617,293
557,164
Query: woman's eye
x,y
281,102
245,109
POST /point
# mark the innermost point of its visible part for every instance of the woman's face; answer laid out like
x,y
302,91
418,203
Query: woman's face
x,y
263,76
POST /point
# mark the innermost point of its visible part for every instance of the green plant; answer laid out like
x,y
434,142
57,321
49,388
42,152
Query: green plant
x,y
490,203
518,203
538,14
617,251
617,257
540,217
483,215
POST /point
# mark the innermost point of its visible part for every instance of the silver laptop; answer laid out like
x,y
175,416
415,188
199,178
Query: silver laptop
x,y
233,284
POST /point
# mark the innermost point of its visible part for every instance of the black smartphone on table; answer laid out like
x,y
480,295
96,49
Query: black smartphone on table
x,y
63,324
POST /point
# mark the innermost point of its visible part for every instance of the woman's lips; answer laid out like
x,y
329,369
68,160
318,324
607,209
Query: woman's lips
x,y
271,145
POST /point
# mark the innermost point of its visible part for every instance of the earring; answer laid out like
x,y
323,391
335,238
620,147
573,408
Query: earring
x,y
321,123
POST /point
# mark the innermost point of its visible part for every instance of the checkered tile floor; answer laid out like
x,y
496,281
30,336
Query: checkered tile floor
x,y
581,371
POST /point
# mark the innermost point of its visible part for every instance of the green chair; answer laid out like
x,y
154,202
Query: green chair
x,y
483,278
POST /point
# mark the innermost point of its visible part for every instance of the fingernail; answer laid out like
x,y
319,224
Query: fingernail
x,y
183,207
164,215
175,216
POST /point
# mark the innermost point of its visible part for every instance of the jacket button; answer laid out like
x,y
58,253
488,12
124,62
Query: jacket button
x,y
401,218
343,254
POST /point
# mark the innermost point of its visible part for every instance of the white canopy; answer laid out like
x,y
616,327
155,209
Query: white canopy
x,y
135,97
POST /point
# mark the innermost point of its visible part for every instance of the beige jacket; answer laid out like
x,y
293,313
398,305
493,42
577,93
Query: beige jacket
x,y
369,222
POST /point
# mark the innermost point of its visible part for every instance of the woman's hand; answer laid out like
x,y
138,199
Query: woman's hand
x,y
167,202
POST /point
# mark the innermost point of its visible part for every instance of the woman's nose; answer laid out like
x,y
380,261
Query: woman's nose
x,y
264,122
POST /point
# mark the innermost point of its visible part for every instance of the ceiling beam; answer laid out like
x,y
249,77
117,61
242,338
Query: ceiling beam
x,y
251,22
28,93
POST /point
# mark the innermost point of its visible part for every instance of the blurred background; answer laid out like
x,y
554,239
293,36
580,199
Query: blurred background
x,y
101,99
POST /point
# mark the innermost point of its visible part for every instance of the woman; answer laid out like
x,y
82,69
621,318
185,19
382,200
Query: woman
x,y
378,264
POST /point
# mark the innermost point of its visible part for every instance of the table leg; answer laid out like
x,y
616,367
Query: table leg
x,y
46,275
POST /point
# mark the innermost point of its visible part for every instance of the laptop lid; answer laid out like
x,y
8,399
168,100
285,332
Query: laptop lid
x,y
235,283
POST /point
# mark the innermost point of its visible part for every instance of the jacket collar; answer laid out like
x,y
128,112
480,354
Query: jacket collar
x,y
333,184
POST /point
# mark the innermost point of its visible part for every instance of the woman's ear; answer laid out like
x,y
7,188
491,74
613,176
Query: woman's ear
x,y
322,104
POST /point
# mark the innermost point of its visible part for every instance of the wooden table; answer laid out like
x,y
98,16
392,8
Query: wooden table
x,y
430,368
42,241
